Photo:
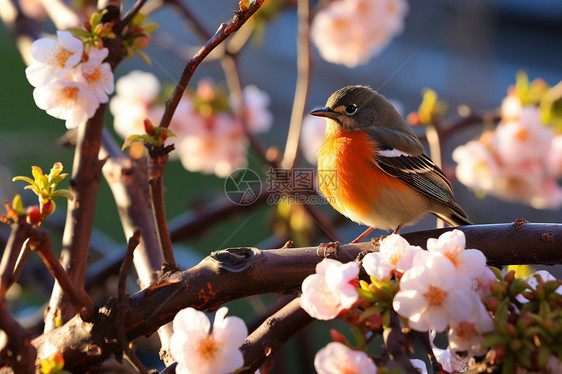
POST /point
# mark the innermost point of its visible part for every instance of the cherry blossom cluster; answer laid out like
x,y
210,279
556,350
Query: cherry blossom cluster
x,y
445,289
70,79
521,160
208,125
350,32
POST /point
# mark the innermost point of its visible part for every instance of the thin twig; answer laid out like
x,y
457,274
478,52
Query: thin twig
x,y
40,242
122,303
19,234
302,87
188,14
156,164
130,15
224,31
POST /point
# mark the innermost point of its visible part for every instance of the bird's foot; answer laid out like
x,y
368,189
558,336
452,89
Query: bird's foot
x,y
363,235
328,249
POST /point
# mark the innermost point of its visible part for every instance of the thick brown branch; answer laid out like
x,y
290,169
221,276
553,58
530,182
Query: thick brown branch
x,y
267,339
19,354
86,176
80,213
236,273
127,179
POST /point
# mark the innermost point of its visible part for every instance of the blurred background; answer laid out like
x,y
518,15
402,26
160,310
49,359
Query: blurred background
x,y
468,51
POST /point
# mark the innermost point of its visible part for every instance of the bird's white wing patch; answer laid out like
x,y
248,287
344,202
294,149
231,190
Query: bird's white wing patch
x,y
392,153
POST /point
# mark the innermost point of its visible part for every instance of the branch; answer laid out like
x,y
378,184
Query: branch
x,y
19,354
303,84
127,179
41,242
266,340
240,272
18,236
224,31
80,213
156,164
122,302
86,175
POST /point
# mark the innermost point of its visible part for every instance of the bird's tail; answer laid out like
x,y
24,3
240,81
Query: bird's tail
x,y
454,218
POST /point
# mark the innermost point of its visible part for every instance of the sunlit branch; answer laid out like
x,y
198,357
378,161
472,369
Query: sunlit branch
x,y
236,273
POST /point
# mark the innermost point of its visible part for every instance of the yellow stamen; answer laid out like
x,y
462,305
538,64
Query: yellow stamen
x,y
61,57
208,347
435,296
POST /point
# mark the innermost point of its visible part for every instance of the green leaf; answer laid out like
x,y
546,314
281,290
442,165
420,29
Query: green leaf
x,y
544,355
63,193
25,179
524,359
507,367
375,309
494,341
367,295
144,57
150,28
359,337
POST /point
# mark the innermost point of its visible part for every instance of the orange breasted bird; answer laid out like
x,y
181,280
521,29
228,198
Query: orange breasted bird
x,y
373,169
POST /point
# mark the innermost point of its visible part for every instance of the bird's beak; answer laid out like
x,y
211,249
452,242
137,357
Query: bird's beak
x,y
324,112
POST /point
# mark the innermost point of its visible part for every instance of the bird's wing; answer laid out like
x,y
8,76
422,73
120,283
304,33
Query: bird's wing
x,y
417,171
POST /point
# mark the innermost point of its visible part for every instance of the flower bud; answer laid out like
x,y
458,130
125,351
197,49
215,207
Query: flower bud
x,y
47,208
338,336
34,215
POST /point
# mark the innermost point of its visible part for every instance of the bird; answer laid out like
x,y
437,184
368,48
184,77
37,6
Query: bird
x,y
372,167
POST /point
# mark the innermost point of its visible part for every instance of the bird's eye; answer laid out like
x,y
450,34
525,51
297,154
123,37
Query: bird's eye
x,y
351,109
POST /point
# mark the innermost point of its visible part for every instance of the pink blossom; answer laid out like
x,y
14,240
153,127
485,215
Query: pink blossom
x,y
53,58
136,93
451,244
554,157
466,334
337,358
432,292
350,32
312,137
526,139
447,358
65,99
259,118
198,349
97,74
329,291
482,282
219,148
476,166
395,253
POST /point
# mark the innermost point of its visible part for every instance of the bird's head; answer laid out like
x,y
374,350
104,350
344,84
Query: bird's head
x,y
358,107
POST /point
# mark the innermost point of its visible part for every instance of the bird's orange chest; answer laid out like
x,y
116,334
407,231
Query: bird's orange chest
x,y
347,174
